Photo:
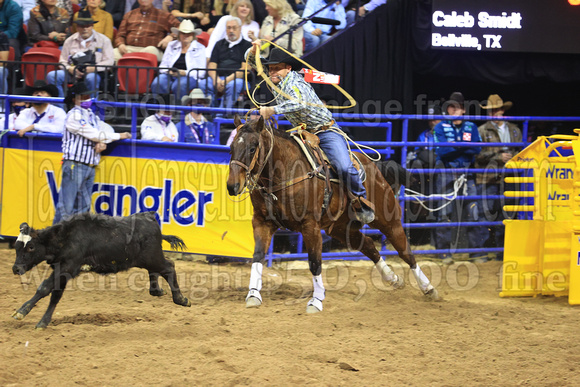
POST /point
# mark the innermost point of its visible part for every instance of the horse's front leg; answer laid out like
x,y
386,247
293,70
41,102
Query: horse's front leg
x,y
313,242
263,231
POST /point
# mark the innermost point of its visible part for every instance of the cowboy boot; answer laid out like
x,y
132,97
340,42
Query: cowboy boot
x,y
364,210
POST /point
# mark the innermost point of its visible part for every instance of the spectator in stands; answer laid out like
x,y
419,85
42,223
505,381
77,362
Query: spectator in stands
x,y
131,5
280,18
244,10
42,116
68,6
103,19
26,6
82,54
158,127
17,108
11,23
195,127
48,23
424,156
195,10
364,7
4,52
228,55
117,10
85,137
185,56
494,159
316,34
453,130
146,29
218,9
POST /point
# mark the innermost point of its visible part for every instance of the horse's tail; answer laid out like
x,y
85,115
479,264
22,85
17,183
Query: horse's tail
x,y
394,174
175,242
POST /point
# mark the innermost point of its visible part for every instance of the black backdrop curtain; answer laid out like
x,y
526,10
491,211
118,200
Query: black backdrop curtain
x,y
385,62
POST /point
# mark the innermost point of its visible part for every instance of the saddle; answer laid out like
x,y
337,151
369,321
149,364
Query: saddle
x,y
310,145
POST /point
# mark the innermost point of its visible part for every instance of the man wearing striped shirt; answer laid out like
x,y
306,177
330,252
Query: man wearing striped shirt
x,y
83,141
305,107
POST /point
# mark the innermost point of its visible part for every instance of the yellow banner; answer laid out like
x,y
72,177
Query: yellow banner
x,y
190,198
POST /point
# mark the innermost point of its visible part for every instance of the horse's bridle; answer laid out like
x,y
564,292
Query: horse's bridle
x,y
252,177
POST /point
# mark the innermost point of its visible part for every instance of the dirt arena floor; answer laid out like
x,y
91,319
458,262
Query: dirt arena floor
x,y
108,331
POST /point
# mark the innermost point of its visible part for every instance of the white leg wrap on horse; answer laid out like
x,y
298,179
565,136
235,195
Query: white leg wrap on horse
x,y
319,291
256,276
422,279
386,272
315,302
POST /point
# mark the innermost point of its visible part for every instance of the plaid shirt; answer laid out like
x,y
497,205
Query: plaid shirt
x,y
144,29
296,110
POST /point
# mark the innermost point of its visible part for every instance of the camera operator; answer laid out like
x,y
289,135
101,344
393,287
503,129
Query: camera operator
x,y
82,54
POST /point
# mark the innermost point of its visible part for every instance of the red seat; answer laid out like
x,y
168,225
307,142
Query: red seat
x,y
136,81
33,72
11,54
75,8
203,38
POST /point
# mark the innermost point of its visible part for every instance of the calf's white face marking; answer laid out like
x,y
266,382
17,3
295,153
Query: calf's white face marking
x,y
23,238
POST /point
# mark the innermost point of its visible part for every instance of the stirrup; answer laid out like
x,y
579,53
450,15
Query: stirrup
x,y
364,210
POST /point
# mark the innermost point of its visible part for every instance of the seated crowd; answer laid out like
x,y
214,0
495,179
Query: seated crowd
x,y
186,37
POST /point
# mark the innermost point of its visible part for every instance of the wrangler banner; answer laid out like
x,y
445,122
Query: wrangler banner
x,y
185,185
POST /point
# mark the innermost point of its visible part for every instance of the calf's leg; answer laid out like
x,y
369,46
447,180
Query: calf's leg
x,y
154,288
45,288
54,299
168,272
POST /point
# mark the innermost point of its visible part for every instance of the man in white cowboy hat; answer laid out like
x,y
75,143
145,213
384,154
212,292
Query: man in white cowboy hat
x,y
183,64
41,116
494,158
82,54
195,127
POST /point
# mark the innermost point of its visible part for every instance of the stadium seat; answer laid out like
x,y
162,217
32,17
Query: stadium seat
x,y
136,81
75,8
31,68
203,38
11,54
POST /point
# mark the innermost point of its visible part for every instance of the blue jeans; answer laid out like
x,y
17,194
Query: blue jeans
x,y
59,77
335,147
76,190
3,80
180,86
232,92
311,41
487,210
453,212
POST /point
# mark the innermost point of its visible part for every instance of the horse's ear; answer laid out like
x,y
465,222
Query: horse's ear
x,y
237,120
260,124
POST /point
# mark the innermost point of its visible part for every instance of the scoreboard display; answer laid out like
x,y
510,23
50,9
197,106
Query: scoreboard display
x,y
546,26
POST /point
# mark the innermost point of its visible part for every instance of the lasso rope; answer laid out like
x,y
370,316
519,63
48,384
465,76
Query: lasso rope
x,y
262,74
450,197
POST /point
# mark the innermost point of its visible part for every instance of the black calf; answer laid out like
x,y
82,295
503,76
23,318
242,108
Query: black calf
x,y
98,243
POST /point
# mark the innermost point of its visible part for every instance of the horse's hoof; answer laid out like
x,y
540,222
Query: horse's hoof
x,y
17,316
400,283
253,302
432,295
314,306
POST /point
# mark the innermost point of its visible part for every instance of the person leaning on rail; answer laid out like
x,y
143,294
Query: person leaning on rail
x,y
455,130
306,108
85,137
494,159
41,116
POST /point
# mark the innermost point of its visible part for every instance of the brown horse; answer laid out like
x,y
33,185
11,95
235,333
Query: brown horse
x,y
286,193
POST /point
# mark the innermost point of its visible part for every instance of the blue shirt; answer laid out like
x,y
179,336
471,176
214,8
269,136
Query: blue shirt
x,y
456,157
11,19
335,12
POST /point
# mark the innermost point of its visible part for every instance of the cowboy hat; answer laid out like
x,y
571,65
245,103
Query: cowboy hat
x,y
196,94
456,98
186,27
494,101
279,56
41,85
80,88
84,18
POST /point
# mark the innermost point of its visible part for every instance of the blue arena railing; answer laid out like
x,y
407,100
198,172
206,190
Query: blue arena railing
x,y
385,148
